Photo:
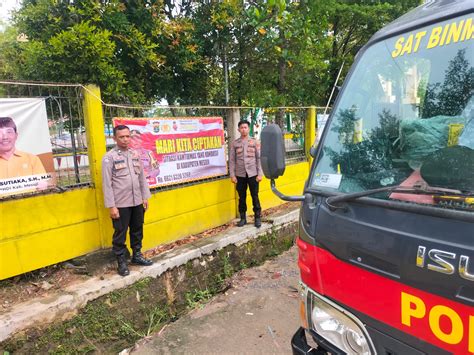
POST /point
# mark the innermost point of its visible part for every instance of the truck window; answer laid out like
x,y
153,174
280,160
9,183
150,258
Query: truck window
x,y
406,117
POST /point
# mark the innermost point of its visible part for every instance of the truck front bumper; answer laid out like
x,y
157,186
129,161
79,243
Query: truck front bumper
x,y
300,346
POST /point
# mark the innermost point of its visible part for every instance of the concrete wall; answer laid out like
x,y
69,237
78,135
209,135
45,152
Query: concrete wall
x,y
47,229
43,230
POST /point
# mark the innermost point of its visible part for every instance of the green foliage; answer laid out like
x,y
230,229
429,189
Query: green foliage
x,y
352,23
228,268
9,51
292,43
277,52
83,53
197,297
453,94
142,284
154,320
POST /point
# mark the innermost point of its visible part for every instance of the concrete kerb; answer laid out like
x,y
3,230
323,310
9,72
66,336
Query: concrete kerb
x,y
74,297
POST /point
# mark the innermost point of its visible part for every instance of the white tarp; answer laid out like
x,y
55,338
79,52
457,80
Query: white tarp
x,y
32,123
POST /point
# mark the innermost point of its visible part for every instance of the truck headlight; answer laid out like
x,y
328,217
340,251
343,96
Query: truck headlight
x,y
338,326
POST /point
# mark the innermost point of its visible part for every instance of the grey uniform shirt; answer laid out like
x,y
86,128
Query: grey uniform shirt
x,y
244,158
123,179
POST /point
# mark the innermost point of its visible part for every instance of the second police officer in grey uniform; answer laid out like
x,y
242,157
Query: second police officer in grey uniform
x,y
126,195
245,170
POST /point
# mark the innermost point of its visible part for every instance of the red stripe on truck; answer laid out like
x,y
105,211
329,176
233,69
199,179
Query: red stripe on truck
x,y
434,319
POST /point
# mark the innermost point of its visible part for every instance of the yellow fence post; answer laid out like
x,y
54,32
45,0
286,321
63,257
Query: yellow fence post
x,y
233,119
96,148
310,132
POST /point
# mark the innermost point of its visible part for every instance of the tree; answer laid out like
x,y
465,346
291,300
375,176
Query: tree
x,y
352,23
9,50
290,49
451,96
244,52
82,53
110,43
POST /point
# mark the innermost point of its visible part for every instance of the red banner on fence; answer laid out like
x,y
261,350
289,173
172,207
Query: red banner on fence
x,y
176,150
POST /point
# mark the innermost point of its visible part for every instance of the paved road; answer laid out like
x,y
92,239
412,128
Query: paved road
x,y
258,314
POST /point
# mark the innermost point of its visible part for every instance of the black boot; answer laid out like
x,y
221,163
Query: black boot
x,y
139,259
243,220
122,267
258,221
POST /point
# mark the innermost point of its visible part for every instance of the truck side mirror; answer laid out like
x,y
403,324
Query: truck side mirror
x,y
272,154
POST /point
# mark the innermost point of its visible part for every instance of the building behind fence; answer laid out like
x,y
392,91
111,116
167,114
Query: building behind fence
x,y
59,224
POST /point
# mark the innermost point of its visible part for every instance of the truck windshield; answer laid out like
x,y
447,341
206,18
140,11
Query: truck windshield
x,y
406,117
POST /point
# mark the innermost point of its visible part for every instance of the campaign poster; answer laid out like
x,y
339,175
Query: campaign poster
x,y
177,150
26,158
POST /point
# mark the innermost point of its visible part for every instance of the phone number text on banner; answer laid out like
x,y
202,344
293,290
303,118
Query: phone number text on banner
x,y
177,150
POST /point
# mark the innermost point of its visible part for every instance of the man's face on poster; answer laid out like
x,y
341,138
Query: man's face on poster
x,y
136,140
8,138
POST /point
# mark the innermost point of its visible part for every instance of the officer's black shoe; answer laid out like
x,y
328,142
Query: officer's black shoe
x,y
139,259
243,220
258,222
122,267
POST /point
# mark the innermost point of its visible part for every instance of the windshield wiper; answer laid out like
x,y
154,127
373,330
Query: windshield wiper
x,y
416,189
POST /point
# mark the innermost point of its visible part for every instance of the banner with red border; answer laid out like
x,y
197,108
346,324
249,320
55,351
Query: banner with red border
x,y
179,149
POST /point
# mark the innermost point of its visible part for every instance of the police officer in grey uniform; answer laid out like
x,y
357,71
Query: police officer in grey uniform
x,y
245,170
126,195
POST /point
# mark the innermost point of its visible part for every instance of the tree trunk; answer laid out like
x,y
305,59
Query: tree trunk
x,y
281,90
225,68
240,70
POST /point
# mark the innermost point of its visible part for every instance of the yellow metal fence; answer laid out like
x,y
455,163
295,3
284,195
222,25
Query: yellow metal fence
x,y
41,230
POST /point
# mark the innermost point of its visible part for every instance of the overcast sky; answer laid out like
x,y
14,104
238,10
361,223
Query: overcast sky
x,y
5,8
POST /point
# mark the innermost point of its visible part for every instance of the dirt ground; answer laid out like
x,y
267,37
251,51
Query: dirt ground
x,y
50,280
259,313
